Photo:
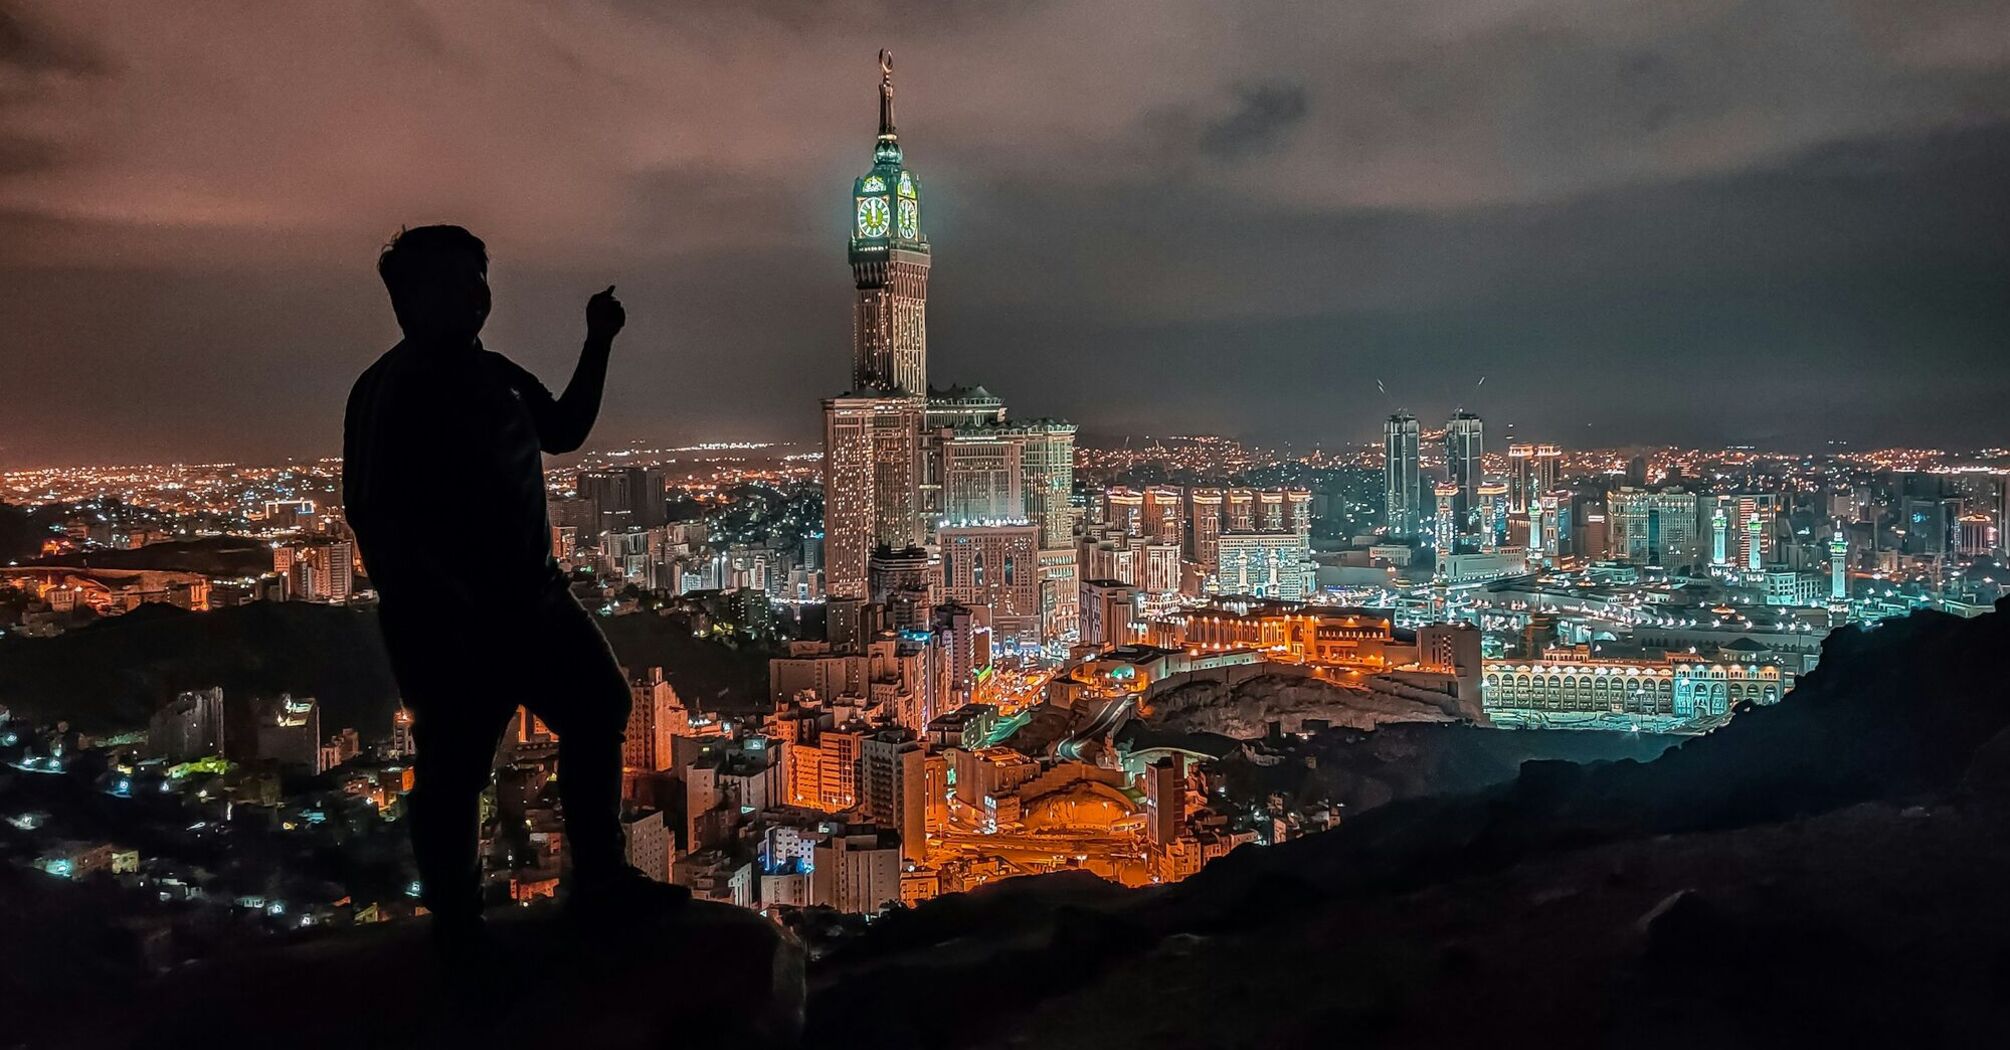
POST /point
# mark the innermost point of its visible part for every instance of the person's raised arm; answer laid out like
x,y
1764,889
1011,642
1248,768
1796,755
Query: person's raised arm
x,y
573,413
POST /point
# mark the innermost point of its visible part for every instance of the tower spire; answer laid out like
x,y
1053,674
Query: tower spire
x,y
886,95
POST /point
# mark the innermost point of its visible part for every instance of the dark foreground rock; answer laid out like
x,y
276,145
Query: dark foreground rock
x,y
707,974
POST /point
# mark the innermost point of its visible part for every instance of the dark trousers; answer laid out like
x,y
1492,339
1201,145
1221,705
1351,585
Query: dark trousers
x,y
462,677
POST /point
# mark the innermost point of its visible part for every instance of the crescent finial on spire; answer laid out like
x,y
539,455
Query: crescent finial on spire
x,y
885,93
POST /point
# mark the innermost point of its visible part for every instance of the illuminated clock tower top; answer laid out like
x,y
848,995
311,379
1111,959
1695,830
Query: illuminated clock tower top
x,y
889,264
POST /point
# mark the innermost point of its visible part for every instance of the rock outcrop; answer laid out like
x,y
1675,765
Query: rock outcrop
x,y
704,974
1246,708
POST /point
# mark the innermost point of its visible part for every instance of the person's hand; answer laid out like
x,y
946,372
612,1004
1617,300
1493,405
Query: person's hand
x,y
604,315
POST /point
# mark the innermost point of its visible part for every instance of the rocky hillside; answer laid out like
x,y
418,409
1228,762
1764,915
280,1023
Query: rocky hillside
x,y
1827,870
1246,708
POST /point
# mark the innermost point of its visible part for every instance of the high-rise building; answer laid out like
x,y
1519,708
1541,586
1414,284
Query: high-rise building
x,y
871,492
624,497
872,436
889,263
1203,516
1402,491
655,717
1164,517
906,582
983,476
1532,471
857,869
998,567
289,733
1124,510
189,726
944,412
1109,613
1652,528
890,785
1266,565
1465,453
1047,459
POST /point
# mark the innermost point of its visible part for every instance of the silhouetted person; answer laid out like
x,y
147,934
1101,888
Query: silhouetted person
x,y
443,482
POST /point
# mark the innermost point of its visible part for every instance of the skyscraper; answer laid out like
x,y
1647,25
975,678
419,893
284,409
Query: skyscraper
x,y
871,467
1465,452
1402,493
872,435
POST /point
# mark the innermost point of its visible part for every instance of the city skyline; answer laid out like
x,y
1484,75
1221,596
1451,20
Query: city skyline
x,y
1659,230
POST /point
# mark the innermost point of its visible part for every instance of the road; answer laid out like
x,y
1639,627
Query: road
x,y
1098,728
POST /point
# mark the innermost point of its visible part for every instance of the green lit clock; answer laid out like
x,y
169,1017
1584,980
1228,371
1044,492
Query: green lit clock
x,y
873,216
910,219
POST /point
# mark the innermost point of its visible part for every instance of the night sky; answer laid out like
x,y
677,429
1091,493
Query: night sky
x,y
1706,222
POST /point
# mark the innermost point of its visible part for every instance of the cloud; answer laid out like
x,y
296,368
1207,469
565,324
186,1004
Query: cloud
x,y
1157,175
1264,115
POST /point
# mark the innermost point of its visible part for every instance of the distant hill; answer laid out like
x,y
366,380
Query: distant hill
x,y
112,675
210,556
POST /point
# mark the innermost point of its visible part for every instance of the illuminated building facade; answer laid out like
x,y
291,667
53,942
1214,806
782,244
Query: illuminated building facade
x,y
1493,515
1266,565
1402,485
1532,471
983,476
1975,535
996,567
889,262
1465,453
1445,524
1678,686
1651,528
871,468
1203,539
1163,518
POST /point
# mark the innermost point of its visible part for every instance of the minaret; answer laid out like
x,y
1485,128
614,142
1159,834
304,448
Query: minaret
x,y
889,264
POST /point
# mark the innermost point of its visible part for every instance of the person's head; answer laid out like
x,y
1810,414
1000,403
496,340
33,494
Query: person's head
x,y
438,277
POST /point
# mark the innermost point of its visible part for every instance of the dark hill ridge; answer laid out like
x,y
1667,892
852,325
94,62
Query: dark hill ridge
x,y
1836,861
111,676
228,556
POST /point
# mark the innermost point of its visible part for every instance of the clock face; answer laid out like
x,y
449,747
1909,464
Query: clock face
x,y
910,219
872,216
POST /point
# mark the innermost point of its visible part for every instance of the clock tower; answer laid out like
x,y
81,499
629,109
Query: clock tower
x,y
889,265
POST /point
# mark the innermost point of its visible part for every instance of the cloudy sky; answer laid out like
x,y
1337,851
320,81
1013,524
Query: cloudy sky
x,y
1709,222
